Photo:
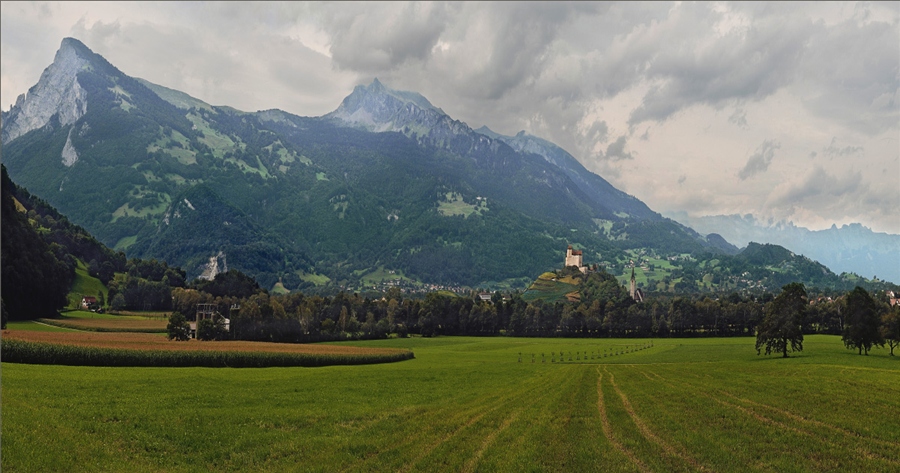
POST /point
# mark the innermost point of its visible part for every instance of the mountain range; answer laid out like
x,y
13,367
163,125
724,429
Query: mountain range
x,y
386,188
849,248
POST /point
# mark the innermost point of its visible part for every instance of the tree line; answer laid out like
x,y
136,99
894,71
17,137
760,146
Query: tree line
x,y
605,309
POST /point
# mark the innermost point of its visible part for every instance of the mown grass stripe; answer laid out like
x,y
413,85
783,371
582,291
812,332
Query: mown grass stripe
x,y
607,428
473,414
649,434
799,418
889,458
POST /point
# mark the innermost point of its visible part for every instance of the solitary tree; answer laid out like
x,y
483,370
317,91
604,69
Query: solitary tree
x,y
890,328
178,328
861,330
780,330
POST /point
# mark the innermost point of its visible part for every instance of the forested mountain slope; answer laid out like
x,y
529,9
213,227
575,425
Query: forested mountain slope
x,y
386,184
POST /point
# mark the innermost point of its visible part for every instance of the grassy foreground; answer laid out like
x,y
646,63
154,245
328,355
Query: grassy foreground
x,y
468,404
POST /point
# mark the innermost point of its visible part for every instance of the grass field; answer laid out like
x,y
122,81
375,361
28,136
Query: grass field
x,y
34,326
468,404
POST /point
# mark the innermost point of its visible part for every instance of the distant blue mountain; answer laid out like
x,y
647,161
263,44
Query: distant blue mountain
x,y
850,248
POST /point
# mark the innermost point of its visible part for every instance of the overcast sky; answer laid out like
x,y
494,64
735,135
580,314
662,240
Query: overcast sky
x,y
786,111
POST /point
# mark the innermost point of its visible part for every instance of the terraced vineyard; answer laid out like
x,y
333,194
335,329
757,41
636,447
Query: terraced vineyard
x,y
470,404
551,289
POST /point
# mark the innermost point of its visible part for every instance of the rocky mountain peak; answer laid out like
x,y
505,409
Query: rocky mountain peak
x,y
378,108
56,93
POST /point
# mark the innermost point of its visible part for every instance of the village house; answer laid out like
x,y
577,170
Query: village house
x,y
87,302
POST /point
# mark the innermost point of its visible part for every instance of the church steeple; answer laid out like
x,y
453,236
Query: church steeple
x,y
633,286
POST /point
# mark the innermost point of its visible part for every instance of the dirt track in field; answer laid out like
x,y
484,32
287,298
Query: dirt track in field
x,y
149,341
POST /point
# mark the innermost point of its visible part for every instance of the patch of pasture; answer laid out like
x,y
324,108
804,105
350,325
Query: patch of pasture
x,y
32,326
315,278
381,275
453,205
84,285
469,404
125,242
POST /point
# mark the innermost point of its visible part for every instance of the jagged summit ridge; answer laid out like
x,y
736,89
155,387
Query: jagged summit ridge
x,y
56,93
379,108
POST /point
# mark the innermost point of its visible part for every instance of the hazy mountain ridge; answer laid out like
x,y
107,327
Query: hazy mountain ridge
x,y
850,248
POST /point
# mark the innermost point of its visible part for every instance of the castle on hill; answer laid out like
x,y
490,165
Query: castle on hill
x,y
574,258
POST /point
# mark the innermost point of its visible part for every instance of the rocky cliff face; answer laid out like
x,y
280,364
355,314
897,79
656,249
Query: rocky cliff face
x,y
56,93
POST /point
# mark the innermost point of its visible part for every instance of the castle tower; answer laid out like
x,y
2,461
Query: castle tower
x,y
574,258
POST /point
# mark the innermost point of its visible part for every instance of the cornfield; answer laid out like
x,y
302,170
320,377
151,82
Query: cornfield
x,y
96,349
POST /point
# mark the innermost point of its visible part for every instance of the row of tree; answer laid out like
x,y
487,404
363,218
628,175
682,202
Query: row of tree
x,y
866,323
605,310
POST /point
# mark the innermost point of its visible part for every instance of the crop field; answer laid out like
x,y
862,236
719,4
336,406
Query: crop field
x,y
147,322
470,404
86,320
148,341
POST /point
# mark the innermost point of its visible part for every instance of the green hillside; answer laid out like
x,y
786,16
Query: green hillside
x,y
85,285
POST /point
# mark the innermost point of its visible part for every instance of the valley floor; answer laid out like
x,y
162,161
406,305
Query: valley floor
x,y
470,404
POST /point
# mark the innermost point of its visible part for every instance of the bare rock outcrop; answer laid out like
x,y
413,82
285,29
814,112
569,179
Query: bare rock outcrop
x,y
56,93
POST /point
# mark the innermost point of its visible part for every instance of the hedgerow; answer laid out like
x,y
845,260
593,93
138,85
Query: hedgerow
x,y
19,351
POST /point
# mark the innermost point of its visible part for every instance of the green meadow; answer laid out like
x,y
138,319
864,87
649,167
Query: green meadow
x,y
84,285
470,404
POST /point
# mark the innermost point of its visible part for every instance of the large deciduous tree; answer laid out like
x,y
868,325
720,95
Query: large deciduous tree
x,y
178,328
779,330
861,330
890,328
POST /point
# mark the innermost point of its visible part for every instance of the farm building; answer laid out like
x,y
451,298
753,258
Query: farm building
x,y
88,301
208,311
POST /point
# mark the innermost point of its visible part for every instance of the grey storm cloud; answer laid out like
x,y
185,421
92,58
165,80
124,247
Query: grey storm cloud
x,y
835,151
376,38
851,71
616,150
739,118
592,77
760,159
746,64
820,190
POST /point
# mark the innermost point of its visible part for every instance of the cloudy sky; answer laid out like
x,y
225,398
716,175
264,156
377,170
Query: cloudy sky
x,y
785,111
